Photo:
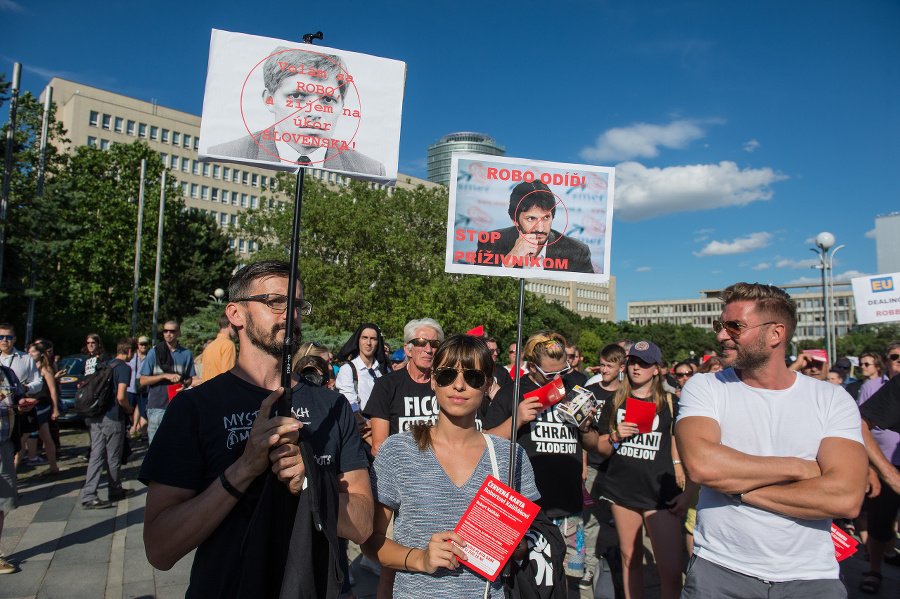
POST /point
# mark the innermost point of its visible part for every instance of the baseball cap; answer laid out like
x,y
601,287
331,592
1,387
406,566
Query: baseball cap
x,y
398,356
842,363
646,351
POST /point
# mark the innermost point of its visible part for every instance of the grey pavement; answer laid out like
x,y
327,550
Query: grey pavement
x,y
67,552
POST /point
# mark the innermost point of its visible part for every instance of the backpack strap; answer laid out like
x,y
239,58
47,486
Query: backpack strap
x,y
355,379
493,454
671,413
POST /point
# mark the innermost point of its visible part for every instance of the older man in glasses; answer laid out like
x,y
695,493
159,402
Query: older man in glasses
x,y
167,365
778,456
207,467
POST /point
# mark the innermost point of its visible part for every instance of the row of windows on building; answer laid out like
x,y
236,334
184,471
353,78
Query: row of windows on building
x,y
213,194
142,130
548,289
591,294
595,308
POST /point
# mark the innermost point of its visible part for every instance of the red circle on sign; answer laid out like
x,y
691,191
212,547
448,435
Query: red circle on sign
x,y
345,82
559,202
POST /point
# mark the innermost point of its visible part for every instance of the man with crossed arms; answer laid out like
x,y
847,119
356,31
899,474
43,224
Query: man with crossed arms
x,y
778,455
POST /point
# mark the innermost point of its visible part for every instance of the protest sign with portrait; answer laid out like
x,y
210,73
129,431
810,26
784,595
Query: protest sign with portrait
x,y
276,104
531,219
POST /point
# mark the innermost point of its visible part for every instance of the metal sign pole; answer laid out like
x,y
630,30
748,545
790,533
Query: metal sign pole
x,y
518,375
284,402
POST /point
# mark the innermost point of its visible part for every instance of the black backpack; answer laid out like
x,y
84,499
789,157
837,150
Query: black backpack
x,y
96,395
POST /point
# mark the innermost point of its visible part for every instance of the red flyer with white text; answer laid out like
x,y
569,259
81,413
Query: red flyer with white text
x,y
844,545
493,525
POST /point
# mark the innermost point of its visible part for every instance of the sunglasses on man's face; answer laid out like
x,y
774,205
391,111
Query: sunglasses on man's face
x,y
143,344
422,342
894,357
7,337
447,376
734,328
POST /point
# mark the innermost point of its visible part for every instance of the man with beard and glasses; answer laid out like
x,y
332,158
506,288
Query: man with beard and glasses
x,y
167,364
778,456
205,468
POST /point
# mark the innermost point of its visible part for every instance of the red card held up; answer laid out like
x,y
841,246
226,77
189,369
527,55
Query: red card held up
x,y
173,389
844,545
816,354
493,526
640,413
549,394
476,332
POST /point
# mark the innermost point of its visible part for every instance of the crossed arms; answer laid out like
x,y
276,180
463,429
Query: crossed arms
x,y
831,486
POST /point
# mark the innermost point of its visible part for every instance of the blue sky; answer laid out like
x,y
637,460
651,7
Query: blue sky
x,y
739,129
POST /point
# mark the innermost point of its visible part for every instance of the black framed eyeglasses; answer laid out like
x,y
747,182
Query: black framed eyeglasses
x,y
173,331
278,302
422,342
734,328
314,376
447,376
552,375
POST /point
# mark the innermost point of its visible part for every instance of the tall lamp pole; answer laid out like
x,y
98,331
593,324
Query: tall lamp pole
x,y
824,242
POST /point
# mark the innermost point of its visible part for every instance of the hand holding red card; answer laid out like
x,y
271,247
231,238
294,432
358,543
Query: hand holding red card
x,y
640,413
549,394
493,526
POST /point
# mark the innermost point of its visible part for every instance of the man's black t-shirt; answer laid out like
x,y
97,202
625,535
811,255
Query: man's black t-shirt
x,y
640,473
553,447
501,376
576,377
205,430
401,401
883,408
603,395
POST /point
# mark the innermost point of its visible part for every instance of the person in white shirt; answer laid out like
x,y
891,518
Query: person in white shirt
x,y
366,362
778,455
18,361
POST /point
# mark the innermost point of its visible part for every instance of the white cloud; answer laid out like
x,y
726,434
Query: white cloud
x,y
704,231
741,245
643,269
843,277
701,238
810,241
751,145
643,140
643,192
761,266
870,234
794,264
10,6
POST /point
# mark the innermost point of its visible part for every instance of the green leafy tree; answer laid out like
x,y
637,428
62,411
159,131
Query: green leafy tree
x,y
366,256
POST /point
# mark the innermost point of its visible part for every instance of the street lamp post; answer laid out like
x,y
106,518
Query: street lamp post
x,y
217,295
824,242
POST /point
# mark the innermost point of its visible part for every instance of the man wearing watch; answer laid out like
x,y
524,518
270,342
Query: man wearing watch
x,y
778,456
204,466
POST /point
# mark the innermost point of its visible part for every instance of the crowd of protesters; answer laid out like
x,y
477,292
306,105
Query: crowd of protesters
x,y
423,426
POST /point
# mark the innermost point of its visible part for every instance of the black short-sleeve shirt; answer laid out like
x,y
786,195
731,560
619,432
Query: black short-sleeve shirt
x,y
401,401
205,430
121,374
883,408
552,445
640,473
603,395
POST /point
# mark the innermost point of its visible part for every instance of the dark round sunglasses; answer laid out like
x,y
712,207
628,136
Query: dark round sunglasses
x,y
447,376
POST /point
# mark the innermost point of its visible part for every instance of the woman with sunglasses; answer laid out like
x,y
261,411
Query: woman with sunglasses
x,y
427,477
641,480
554,446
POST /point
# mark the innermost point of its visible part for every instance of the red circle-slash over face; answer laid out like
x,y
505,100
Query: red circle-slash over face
x,y
538,222
304,106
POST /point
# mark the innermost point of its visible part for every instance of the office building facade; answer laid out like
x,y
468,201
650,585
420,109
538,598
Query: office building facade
x,y
701,312
597,300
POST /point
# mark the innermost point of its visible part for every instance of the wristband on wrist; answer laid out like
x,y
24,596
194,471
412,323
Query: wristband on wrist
x,y
228,487
406,567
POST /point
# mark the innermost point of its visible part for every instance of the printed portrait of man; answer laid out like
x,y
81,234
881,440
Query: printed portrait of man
x,y
304,92
532,207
